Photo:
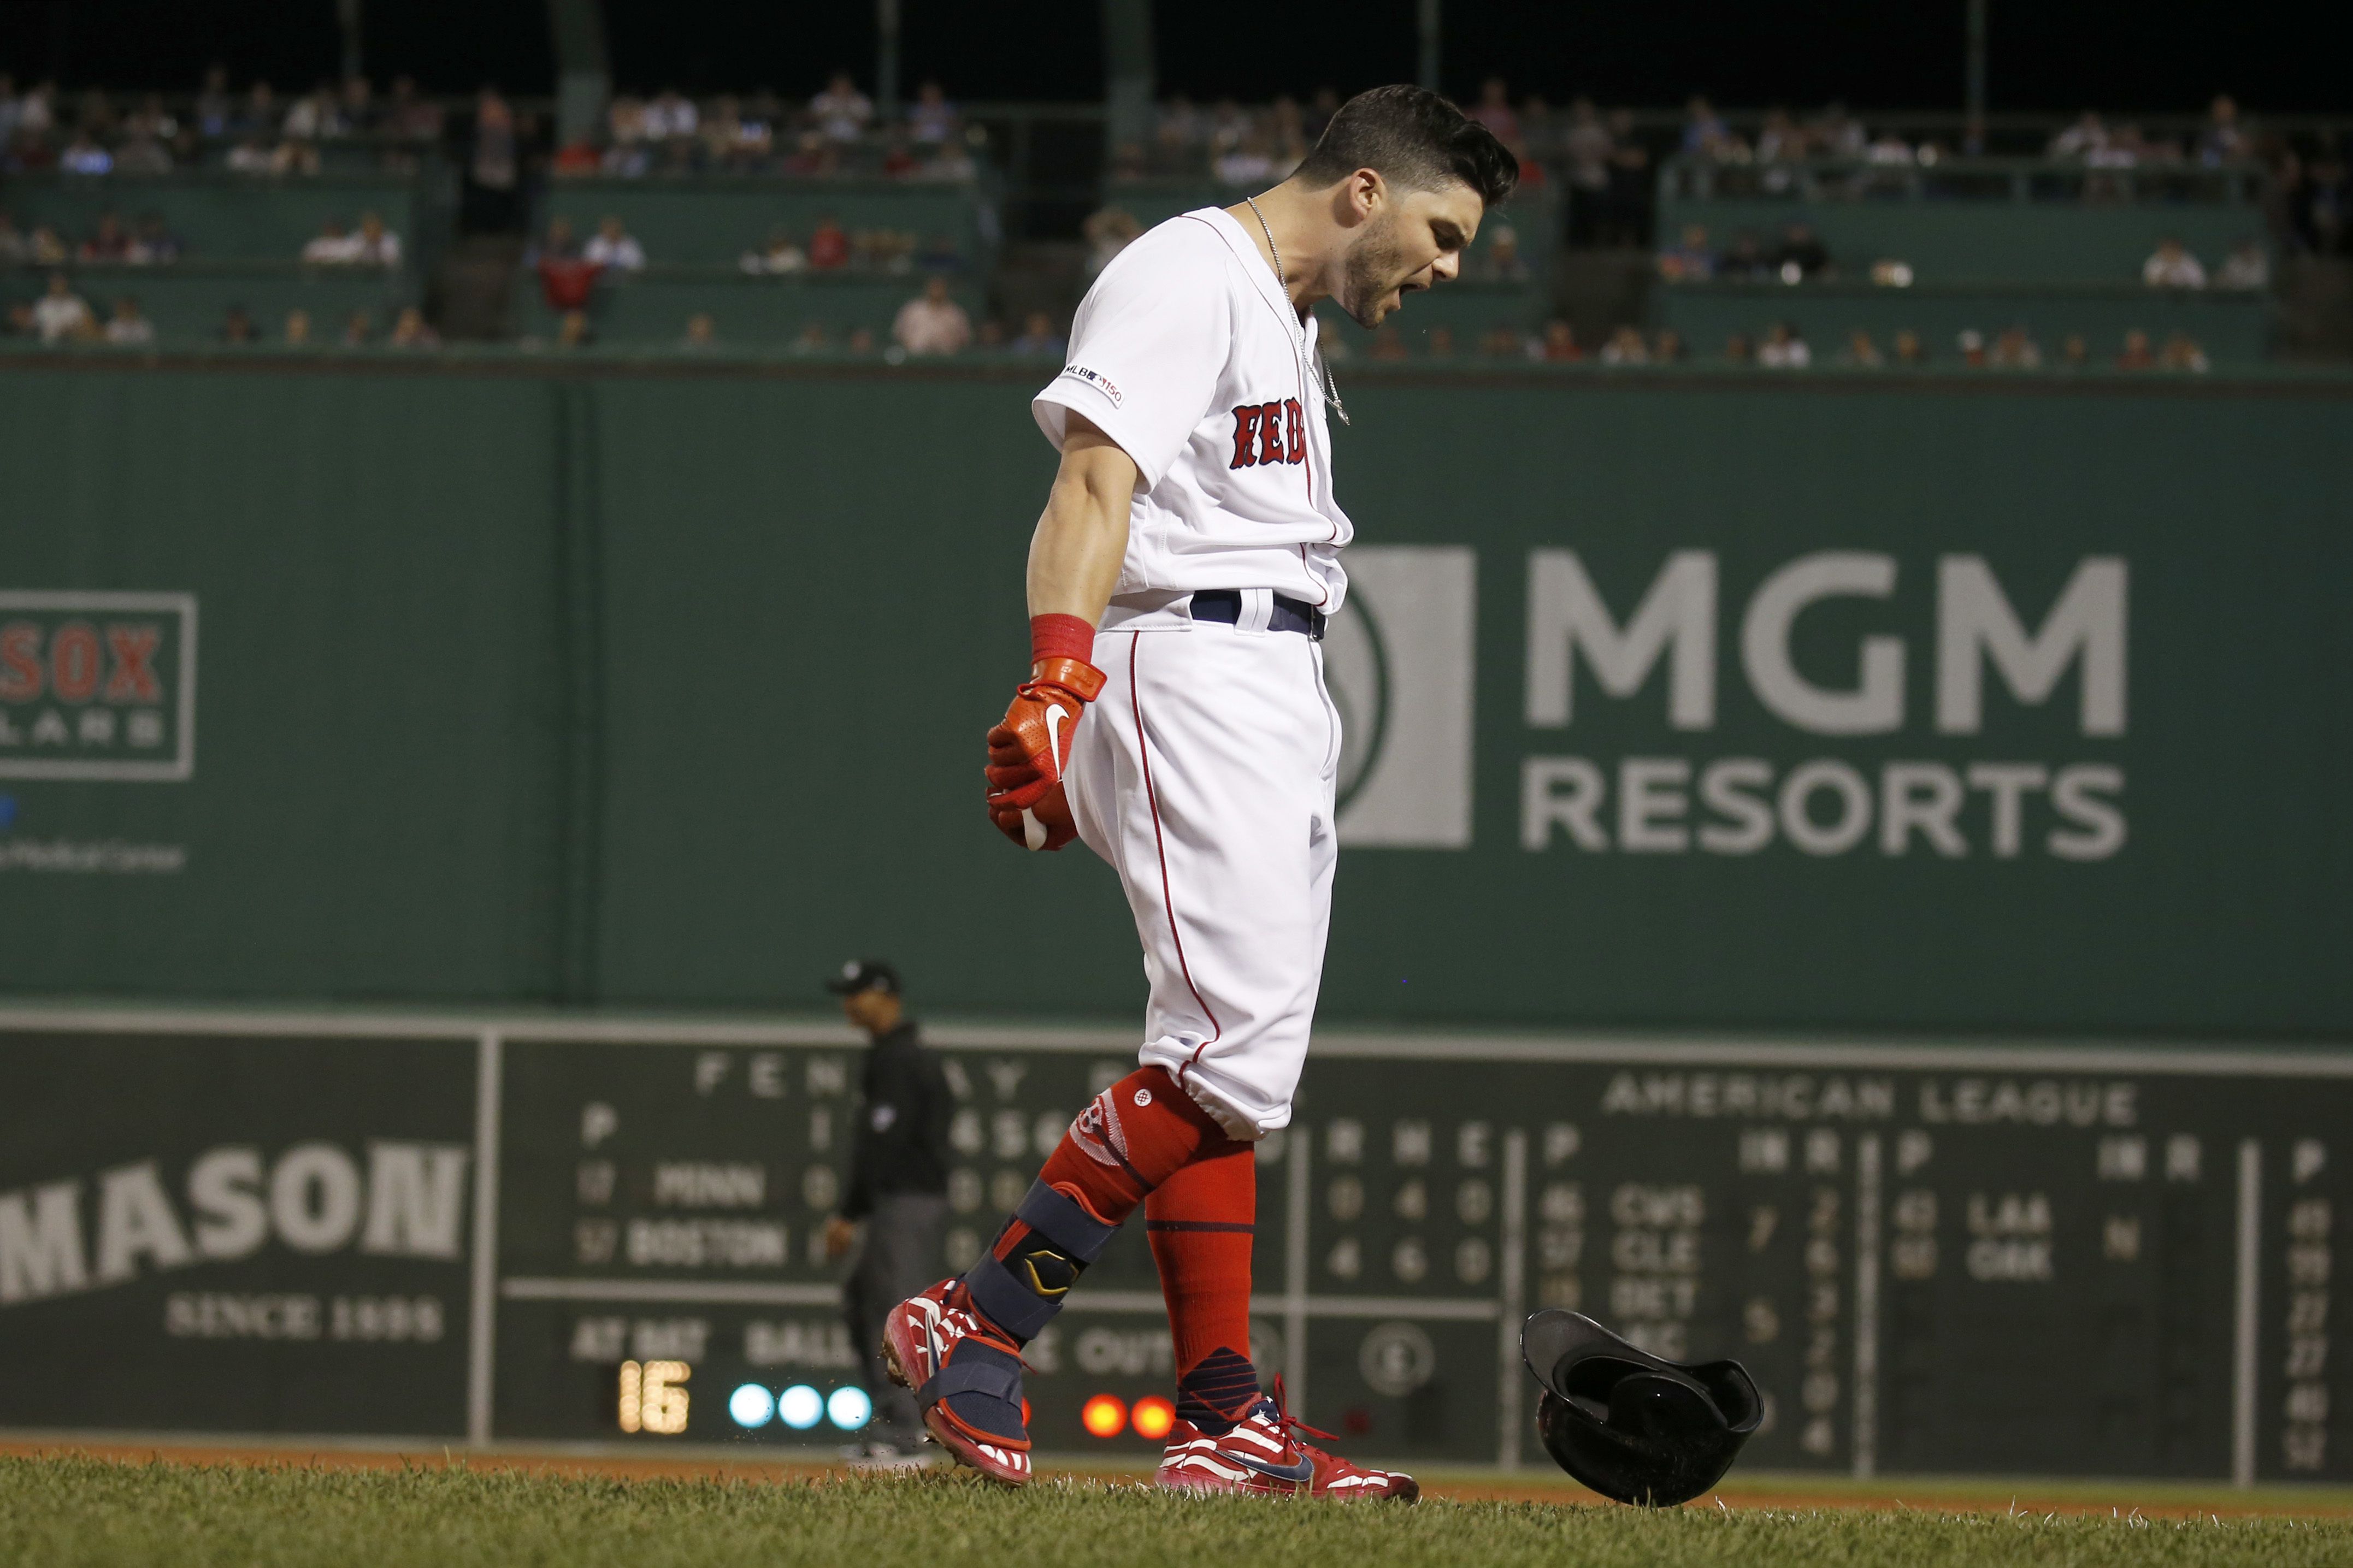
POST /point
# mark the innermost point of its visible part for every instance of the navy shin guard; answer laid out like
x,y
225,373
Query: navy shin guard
x,y
1021,1286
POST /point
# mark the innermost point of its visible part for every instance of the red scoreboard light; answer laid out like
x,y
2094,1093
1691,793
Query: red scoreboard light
x,y
1104,1416
1152,1417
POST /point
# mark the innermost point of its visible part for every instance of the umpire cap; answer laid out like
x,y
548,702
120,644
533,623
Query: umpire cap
x,y
1632,1427
863,974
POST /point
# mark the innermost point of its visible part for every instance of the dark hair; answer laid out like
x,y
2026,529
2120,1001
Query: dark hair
x,y
1412,138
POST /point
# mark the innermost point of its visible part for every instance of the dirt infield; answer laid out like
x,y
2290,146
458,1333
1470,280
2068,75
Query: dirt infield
x,y
1775,1491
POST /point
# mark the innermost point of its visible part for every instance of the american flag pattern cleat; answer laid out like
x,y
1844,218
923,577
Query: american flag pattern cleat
x,y
966,1377
1263,1453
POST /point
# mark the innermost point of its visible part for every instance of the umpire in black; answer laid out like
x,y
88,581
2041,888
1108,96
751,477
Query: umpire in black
x,y
898,1190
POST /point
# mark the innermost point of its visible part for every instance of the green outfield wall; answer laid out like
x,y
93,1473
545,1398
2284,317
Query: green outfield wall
x,y
1677,700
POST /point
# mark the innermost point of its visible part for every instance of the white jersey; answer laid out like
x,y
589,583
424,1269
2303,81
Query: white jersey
x,y
1188,354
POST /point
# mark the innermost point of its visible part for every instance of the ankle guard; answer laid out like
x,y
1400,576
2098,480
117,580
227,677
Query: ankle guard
x,y
1021,1291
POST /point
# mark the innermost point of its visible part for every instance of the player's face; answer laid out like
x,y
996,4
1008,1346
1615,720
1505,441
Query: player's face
x,y
1416,239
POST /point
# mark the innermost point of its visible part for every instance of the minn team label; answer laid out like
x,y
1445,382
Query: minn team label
x,y
98,686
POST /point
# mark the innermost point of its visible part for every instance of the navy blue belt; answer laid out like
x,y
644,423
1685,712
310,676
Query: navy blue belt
x,y
1289,615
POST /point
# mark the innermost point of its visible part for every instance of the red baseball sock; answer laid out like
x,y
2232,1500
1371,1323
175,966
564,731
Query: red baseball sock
x,y
1201,1221
1128,1140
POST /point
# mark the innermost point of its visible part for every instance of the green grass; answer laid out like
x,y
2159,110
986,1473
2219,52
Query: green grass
x,y
64,1510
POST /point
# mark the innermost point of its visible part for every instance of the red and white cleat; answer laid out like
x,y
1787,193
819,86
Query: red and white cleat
x,y
966,1377
1262,1453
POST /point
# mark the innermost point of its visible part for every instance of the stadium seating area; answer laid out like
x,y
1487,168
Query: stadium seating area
x,y
763,227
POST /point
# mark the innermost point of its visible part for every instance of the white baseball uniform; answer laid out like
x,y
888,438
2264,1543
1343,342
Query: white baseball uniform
x,y
1206,773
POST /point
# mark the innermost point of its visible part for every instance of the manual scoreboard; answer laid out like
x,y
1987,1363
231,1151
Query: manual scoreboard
x,y
1932,1258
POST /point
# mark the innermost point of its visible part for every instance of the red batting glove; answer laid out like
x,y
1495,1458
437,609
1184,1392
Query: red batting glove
x,y
1030,748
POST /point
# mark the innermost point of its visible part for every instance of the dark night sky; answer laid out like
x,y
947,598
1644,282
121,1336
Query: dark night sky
x,y
2122,55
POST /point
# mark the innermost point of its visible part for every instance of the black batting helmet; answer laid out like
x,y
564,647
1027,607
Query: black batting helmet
x,y
1634,1427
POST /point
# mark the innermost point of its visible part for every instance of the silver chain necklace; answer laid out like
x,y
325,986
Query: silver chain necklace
x,y
1323,366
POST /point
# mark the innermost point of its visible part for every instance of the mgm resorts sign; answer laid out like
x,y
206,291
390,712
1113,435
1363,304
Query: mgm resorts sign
x,y
1401,661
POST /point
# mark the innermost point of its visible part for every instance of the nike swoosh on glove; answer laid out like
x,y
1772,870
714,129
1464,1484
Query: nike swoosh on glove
x,y
1030,749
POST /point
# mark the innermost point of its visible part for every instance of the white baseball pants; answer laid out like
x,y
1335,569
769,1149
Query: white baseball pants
x,y
1206,774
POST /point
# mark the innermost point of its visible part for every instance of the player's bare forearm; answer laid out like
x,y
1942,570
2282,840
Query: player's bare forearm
x,y
1082,538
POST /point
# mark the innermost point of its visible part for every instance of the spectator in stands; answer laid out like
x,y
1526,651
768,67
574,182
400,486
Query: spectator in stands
x,y
940,254
409,116
313,116
359,329
1500,261
492,201
573,331
48,247
1860,352
1737,349
1667,348
153,245
60,313
577,160
107,242
1587,148
13,246
702,332
1558,344
410,329
932,322
298,329
357,107
931,119
2074,353
1493,110
670,116
841,111
1626,347
1704,130
1389,344
2014,350
250,156
860,341
1800,254
1744,260
1690,260
1972,346
84,156
780,255
615,246
829,245
1249,161
1440,342
2246,268
2182,352
2081,140
11,106
213,106
1108,231
142,153
127,327
333,246
1039,337
236,327
2171,265
2224,141
2137,354
565,278
375,245
1503,342
1911,349
813,338
1783,348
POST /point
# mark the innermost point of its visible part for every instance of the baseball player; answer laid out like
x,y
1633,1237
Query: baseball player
x,y
1176,720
